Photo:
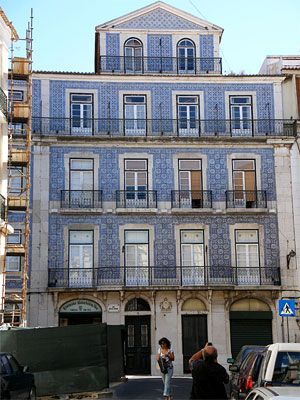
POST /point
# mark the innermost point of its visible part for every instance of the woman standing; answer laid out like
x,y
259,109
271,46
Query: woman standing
x,y
166,355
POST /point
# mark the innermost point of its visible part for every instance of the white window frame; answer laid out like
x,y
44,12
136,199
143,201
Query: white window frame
x,y
18,264
85,124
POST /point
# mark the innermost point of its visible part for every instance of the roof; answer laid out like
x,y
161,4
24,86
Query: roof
x,y
9,24
114,23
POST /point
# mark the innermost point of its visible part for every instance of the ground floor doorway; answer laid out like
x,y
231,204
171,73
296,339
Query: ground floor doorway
x,y
194,336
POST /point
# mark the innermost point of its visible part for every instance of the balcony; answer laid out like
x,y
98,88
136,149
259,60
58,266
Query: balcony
x,y
159,65
136,198
182,128
2,207
3,102
78,199
146,277
246,199
191,199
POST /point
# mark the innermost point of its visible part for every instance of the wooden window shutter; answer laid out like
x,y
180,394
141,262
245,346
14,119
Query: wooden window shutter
x,y
196,184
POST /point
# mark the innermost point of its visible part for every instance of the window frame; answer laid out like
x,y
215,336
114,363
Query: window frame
x,y
75,169
134,56
178,57
250,120
19,258
78,244
233,160
136,170
71,102
247,243
19,231
148,245
21,176
186,170
181,230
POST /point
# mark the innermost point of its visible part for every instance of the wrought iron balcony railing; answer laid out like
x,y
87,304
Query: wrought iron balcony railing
x,y
144,276
191,128
2,207
73,199
191,198
3,102
136,198
160,65
246,199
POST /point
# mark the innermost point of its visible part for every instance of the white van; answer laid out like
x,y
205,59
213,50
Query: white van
x,y
281,365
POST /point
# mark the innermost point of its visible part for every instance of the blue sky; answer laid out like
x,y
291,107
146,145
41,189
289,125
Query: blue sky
x,y
64,29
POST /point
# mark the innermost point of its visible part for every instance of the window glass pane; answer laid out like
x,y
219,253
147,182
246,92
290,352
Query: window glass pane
x,y
17,95
15,238
133,42
190,165
82,97
188,99
287,368
246,236
240,100
85,237
13,263
85,164
136,236
142,255
13,363
243,165
136,164
192,236
186,43
130,335
144,335
135,99
87,256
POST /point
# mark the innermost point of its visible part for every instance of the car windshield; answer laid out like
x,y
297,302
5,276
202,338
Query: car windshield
x,y
287,368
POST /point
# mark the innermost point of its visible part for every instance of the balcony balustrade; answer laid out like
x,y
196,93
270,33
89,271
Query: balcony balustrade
x,y
246,199
191,199
160,65
136,198
74,199
179,276
3,102
2,207
190,128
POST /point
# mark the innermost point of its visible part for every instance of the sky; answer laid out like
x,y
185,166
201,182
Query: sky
x,y
64,29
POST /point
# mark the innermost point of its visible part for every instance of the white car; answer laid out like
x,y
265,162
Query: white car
x,y
281,366
275,393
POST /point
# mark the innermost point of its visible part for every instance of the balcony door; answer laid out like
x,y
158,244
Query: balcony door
x,y
81,194
82,113
136,183
137,257
135,115
190,184
81,245
241,115
188,115
186,57
192,257
244,183
247,257
133,54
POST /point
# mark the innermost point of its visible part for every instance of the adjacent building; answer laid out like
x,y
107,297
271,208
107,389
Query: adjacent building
x,y
160,192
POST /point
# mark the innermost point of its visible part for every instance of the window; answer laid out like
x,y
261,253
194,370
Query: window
x,y
17,179
81,245
135,115
137,257
81,182
287,368
241,113
188,115
192,256
244,183
17,95
133,52
190,183
136,183
18,128
81,113
247,256
186,56
13,263
15,238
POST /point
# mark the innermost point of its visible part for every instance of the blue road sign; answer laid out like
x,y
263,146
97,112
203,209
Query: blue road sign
x,y
287,308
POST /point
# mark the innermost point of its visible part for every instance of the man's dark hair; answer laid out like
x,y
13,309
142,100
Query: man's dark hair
x,y
166,341
210,355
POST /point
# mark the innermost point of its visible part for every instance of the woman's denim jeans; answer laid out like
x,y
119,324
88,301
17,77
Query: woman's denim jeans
x,y
167,382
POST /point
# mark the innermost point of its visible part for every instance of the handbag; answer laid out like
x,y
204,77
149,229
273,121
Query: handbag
x,y
162,365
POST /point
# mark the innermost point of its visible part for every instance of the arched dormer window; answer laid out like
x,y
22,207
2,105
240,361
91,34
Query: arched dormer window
x,y
133,55
186,56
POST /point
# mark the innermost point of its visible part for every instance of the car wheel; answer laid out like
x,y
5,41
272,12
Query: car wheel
x,y
32,393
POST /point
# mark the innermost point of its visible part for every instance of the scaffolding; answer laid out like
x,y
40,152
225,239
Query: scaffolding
x,y
16,261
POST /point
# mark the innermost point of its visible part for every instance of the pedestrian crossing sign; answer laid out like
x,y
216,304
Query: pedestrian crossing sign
x,y
287,308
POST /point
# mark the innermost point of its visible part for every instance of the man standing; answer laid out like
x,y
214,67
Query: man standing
x,y
209,377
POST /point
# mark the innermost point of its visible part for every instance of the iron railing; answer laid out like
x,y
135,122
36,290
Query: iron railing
x,y
191,128
144,276
160,65
73,199
3,102
136,198
2,207
191,198
246,199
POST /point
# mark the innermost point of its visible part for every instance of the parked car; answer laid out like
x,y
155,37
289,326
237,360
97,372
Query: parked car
x,y
16,381
281,365
245,376
274,393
